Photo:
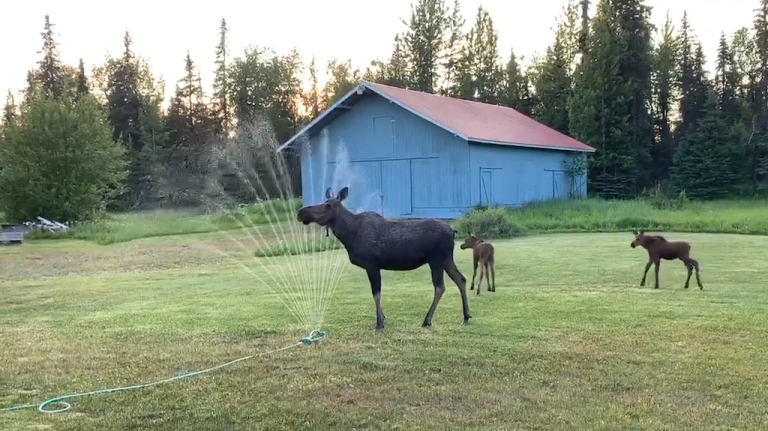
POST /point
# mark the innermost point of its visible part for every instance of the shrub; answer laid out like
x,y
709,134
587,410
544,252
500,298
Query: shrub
x,y
494,222
58,160
294,247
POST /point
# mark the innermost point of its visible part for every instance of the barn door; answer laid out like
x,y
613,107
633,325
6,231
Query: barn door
x,y
486,187
559,185
396,188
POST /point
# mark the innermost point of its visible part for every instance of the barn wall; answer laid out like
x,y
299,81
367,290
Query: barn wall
x,y
513,176
394,162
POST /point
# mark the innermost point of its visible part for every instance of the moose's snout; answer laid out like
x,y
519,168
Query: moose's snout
x,y
463,246
304,216
633,245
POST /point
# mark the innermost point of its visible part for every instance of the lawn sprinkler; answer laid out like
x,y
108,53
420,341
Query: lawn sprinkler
x,y
314,337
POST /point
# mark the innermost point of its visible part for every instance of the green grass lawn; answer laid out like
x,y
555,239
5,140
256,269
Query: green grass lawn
x,y
568,342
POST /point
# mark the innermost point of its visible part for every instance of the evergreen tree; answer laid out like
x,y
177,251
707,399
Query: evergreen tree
x,y
726,84
341,79
599,109
312,97
132,103
395,72
664,88
49,69
454,45
552,81
634,31
189,130
10,109
513,83
424,40
487,72
686,79
221,82
701,165
82,79
464,84
758,157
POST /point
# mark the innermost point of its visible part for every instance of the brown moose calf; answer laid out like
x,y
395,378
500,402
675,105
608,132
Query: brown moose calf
x,y
482,254
659,248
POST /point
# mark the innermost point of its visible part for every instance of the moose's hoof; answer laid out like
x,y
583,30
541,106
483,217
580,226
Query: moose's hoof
x,y
466,321
379,329
685,287
701,287
426,325
472,287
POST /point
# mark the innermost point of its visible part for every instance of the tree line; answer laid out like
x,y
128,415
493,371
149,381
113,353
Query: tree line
x,y
75,143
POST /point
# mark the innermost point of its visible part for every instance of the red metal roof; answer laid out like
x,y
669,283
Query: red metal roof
x,y
480,122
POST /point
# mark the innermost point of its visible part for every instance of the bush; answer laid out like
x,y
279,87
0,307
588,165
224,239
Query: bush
x,y
296,247
58,161
596,215
494,222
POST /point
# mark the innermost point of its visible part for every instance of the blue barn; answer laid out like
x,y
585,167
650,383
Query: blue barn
x,y
408,154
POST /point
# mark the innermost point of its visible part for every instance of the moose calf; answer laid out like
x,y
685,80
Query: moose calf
x,y
659,248
483,254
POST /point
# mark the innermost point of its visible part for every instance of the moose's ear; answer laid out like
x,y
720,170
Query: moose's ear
x,y
642,232
328,193
343,193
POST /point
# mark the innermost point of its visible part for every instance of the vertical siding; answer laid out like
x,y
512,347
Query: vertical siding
x,y
395,163
513,176
401,166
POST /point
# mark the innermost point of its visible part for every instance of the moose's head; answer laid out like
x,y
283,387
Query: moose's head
x,y
640,239
324,213
471,241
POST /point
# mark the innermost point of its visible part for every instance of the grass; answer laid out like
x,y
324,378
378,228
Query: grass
x,y
117,228
568,342
595,215
592,215
297,246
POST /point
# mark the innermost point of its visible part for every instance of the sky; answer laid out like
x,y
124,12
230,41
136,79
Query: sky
x,y
163,30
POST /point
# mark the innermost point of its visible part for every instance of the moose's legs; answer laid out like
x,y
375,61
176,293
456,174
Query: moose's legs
x,y
474,273
647,267
698,280
374,276
483,272
656,265
493,276
690,264
439,285
461,282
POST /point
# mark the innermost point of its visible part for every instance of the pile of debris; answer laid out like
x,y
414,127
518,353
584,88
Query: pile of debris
x,y
14,233
45,225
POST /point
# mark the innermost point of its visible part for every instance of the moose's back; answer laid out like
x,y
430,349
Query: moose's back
x,y
403,245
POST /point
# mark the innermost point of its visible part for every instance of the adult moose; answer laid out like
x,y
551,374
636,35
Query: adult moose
x,y
659,248
375,243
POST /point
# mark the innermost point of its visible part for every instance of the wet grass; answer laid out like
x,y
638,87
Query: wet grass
x,y
568,342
